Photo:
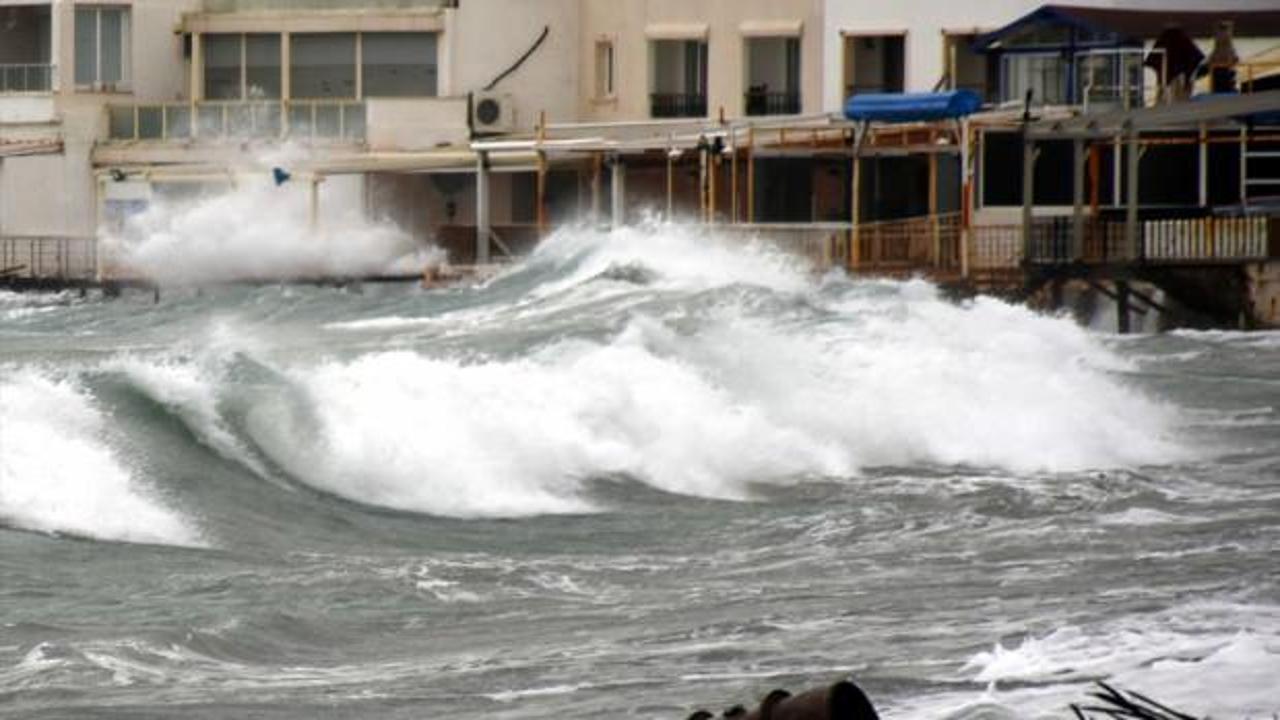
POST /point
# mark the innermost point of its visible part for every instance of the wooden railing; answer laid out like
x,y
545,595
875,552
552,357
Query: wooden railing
x,y
927,242
61,258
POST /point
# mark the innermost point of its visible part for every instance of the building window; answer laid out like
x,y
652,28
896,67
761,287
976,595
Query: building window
x,y
1044,74
874,64
323,65
399,64
102,47
604,69
773,76
679,78
242,67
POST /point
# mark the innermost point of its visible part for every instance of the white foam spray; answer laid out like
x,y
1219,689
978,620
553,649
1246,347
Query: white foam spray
x,y
870,374
59,474
256,229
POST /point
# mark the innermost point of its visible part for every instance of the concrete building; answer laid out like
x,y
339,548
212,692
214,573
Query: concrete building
x,y
105,107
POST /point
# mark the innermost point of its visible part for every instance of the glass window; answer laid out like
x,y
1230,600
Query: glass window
x,y
222,67
102,47
604,69
323,65
262,66
399,64
1044,75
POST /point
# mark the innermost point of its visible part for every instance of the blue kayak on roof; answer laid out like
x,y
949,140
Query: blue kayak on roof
x,y
908,107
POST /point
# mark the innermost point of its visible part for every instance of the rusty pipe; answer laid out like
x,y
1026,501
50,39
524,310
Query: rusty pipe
x,y
840,701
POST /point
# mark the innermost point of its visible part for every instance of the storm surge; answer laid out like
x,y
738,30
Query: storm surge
x,y
637,471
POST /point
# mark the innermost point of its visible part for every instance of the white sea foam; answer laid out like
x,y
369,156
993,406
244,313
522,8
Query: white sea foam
x,y
257,229
1206,658
679,256
897,376
59,474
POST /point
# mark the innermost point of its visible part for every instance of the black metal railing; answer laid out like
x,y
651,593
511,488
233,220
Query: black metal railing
x,y
60,258
671,105
759,102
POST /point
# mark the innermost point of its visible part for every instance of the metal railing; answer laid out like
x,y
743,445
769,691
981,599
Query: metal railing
x,y
1180,240
26,77
670,105
760,102
308,120
43,257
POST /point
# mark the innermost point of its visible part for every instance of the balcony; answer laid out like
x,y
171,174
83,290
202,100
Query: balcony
x,y
677,105
26,78
760,102
302,120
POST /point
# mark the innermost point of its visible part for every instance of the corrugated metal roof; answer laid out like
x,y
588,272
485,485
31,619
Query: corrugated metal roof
x,y
1140,25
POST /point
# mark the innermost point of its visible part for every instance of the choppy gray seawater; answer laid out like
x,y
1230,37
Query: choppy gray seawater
x,y
640,473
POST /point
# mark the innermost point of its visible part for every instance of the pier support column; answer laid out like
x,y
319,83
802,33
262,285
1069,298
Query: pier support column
x,y
1122,307
597,169
1028,193
1131,239
1077,198
482,208
619,179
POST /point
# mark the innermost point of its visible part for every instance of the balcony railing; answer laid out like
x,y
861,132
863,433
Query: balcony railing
x,y
672,105
62,258
306,120
26,77
772,103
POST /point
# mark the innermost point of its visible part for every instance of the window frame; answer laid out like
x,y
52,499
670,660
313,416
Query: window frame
x,y
606,86
125,83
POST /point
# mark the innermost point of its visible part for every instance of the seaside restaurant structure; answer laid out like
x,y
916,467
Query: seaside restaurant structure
x,y
726,111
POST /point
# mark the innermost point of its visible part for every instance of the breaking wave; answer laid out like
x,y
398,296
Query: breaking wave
x,y
60,474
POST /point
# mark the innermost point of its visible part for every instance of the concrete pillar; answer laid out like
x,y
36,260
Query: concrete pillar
x,y
482,208
1122,307
1028,192
619,178
597,163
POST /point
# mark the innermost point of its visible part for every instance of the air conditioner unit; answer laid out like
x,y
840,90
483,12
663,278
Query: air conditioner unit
x,y
492,113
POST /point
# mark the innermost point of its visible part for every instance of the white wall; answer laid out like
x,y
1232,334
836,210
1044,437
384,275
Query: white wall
x,y
490,35
926,20
624,22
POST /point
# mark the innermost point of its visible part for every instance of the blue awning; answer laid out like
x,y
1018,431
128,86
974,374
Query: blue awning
x,y
908,107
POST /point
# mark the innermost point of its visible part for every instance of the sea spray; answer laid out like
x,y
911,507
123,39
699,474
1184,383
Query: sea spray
x,y
59,474
256,229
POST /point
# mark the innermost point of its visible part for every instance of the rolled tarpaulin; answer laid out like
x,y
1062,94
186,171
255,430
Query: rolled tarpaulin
x,y
908,107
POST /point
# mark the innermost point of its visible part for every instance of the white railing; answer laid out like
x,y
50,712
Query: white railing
x,y
307,120
25,77
1213,238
